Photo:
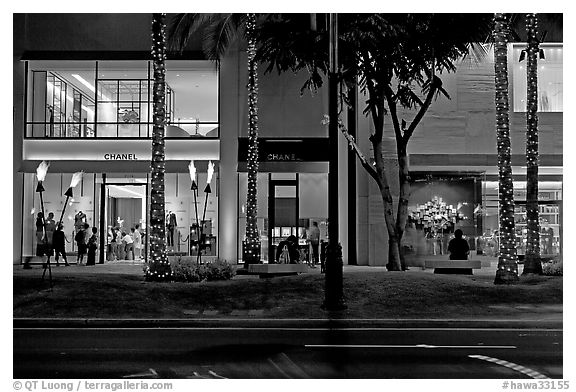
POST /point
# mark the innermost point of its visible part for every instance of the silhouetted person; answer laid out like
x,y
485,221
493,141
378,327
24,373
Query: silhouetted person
x,y
290,244
92,246
49,237
314,238
458,247
80,239
59,243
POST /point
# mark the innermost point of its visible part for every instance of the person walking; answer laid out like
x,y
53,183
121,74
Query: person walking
x,y
314,239
59,243
92,247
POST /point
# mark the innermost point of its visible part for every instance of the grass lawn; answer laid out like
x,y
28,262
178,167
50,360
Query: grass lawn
x,y
410,294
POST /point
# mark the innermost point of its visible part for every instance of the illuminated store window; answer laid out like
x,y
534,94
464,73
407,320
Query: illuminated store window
x,y
114,99
194,99
550,78
81,208
60,99
550,216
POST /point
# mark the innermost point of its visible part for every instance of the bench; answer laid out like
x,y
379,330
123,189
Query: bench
x,y
453,266
271,270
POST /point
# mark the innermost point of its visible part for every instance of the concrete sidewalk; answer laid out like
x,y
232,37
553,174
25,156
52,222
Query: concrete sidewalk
x,y
136,268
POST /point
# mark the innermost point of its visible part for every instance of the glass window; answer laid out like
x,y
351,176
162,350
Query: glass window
x,y
186,214
194,98
82,204
68,99
550,210
550,78
60,99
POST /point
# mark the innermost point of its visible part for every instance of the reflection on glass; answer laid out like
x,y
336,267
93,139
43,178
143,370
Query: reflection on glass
x,y
550,80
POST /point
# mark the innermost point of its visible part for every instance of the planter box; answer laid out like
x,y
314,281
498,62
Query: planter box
x,y
270,270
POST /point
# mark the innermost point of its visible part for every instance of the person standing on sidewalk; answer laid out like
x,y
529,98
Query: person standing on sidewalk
x,y
92,246
49,239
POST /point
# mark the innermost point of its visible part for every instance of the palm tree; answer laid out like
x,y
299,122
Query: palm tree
x,y
532,262
159,267
398,60
218,32
507,271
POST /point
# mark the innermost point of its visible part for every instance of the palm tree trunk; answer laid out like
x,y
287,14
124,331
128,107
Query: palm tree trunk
x,y
532,263
252,243
159,268
507,271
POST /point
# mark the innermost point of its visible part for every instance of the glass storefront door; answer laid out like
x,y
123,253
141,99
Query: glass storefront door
x,y
283,213
125,209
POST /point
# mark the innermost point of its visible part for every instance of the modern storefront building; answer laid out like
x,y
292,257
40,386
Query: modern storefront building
x,y
83,101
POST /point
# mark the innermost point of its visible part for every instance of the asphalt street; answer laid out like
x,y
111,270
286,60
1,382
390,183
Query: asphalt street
x,y
292,349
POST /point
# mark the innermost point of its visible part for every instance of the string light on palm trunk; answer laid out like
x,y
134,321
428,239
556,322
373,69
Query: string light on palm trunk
x,y
159,267
507,260
532,213
252,242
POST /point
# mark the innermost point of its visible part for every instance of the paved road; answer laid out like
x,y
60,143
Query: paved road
x,y
296,349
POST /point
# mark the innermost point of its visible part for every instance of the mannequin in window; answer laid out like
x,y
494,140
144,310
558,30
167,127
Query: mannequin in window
x,y
171,225
79,220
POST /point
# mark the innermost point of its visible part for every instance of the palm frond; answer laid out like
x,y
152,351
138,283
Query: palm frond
x,y
220,32
182,27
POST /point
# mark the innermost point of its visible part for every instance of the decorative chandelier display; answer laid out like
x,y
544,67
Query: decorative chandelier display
x,y
437,216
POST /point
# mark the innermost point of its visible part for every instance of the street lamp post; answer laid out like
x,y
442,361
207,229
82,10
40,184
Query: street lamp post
x,y
194,188
76,177
41,171
207,191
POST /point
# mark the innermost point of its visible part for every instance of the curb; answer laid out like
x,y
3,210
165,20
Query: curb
x,y
541,323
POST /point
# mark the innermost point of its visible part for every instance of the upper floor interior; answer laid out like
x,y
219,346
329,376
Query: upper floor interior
x,y
99,85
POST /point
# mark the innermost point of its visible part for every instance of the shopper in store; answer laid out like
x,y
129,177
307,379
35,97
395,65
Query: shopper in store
x,y
137,237
114,244
128,244
92,247
59,243
314,239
